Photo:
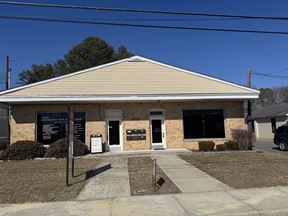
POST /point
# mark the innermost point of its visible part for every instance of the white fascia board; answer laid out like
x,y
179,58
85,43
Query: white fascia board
x,y
125,98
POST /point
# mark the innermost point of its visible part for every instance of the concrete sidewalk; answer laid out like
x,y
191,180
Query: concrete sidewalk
x,y
261,201
187,177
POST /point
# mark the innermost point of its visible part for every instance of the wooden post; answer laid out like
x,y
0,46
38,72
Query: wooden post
x,y
68,151
249,121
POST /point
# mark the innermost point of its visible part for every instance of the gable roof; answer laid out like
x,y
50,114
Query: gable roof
x,y
277,110
135,78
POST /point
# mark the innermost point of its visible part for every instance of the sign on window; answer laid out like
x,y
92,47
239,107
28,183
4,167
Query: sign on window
x,y
53,126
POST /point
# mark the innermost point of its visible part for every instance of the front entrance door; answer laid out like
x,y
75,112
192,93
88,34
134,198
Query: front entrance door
x,y
156,125
157,132
114,132
114,129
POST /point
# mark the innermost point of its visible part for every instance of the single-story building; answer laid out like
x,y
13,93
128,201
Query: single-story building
x,y
135,103
268,119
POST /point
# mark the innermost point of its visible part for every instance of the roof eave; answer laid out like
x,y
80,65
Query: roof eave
x,y
122,98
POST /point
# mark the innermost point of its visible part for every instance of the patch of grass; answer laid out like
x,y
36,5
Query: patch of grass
x,y
140,176
243,169
41,180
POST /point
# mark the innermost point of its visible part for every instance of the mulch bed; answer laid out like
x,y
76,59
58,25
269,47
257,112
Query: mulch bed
x,y
140,176
243,169
42,180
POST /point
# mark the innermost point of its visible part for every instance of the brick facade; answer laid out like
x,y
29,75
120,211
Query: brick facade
x,y
134,116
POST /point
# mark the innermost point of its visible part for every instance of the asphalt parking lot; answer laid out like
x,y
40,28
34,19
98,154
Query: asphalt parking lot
x,y
266,144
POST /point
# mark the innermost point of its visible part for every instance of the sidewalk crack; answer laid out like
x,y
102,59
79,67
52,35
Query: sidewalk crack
x,y
180,204
241,201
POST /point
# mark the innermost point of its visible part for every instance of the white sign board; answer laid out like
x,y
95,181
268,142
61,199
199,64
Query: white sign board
x,y
96,144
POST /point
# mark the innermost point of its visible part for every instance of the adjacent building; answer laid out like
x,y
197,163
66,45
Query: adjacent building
x,y
135,103
3,126
268,119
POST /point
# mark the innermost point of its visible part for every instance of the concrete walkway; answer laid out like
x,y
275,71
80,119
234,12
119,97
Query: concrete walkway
x,y
188,178
111,181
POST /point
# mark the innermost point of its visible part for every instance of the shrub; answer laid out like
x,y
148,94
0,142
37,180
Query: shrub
x,y
245,138
59,149
232,145
206,145
22,150
8,154
221,147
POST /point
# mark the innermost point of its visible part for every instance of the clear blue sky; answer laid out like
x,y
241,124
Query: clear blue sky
x,y
223,55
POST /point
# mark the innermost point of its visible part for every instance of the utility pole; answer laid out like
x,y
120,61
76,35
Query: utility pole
x,y
8,86
249,121
249,78
7,70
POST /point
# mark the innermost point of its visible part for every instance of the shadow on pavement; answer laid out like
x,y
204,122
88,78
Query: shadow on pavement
x,y
92,173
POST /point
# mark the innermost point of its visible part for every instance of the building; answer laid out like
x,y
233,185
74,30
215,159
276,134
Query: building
x,y
268,119
3,126
135,103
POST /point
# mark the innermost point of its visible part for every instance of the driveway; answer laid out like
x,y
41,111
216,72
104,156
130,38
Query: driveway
x,y
266,144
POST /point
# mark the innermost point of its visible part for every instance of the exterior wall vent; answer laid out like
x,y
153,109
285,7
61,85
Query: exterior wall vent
x,y
136,60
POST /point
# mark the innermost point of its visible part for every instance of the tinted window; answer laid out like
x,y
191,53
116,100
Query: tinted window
x,y
156,113
53,126
203,124
193,124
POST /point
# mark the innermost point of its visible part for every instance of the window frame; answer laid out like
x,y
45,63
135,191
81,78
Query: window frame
x,y
204,139
163,119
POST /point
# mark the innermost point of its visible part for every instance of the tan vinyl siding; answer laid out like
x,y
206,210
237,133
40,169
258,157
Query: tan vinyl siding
x,y
140,77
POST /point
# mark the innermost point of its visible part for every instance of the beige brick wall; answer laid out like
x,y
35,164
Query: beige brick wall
x,y
135,116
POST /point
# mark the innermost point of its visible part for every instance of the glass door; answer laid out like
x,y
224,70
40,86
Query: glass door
x,y
156,127
114,132
157,131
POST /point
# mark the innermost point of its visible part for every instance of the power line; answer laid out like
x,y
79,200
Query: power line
x,y
271,76
159,19
276,72
31,60
29,4
140,25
